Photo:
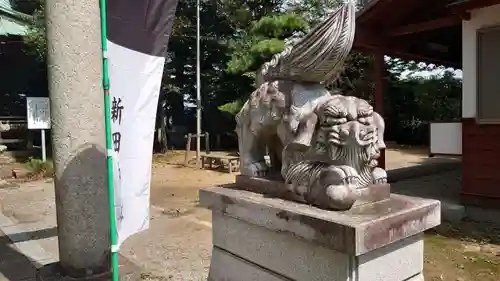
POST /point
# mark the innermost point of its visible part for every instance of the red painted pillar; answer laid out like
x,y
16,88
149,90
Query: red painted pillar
x,y
379,93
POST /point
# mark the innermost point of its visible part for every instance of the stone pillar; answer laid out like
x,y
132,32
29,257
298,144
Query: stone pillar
x,y
78,135
260,237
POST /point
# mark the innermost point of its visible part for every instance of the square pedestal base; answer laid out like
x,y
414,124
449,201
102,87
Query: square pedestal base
x,y
267,239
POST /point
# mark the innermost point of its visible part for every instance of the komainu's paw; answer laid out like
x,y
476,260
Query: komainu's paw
x,y
340,175
259,168
341,186
350,176
379,176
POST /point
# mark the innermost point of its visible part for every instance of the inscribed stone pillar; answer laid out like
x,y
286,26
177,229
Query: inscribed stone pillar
x,y
78,135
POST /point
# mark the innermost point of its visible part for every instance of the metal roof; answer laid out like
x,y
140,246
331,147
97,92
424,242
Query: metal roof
x,y
5,4
12,22
12,27
457,2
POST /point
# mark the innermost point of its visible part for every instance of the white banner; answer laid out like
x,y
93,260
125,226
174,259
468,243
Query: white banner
x,y
135,80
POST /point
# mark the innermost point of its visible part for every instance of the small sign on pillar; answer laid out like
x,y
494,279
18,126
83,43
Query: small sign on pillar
x,y
38,115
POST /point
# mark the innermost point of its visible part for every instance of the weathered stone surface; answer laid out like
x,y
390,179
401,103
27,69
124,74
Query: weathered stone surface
x,y
74,63
228,267
297,259
283,253
254,238
325,145
395,262
355,232
276,188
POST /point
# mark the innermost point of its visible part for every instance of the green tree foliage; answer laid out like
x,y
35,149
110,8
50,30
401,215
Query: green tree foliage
x,y
27,71
266,38
27,6
261,40
179,80
314,11
412,102
238,36
35,40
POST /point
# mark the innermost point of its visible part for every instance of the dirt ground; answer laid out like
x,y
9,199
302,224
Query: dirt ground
x,y
467,251
464,252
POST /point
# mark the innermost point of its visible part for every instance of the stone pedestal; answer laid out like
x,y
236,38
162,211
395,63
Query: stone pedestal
x,y
260,238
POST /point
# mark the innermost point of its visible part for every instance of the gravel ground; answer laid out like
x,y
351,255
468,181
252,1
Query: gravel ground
x,y
178,244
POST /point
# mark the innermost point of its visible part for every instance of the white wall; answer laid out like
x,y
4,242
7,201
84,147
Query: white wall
x,y
446,138
480,18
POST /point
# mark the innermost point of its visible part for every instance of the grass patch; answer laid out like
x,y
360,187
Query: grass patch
x,y
458,252
38,168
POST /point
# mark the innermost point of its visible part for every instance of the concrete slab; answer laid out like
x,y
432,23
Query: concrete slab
x,y
24,244
356,231
14,266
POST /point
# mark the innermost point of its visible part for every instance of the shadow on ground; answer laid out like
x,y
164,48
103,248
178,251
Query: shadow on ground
x,y
470,231
433,178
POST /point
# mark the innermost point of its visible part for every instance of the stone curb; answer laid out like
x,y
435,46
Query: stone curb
x,y
31,249
45,265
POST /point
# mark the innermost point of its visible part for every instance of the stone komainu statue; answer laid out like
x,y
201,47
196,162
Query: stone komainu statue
x,y
324,146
